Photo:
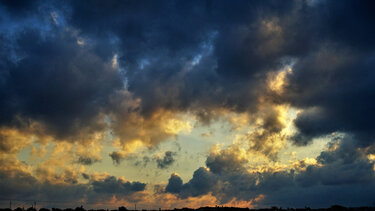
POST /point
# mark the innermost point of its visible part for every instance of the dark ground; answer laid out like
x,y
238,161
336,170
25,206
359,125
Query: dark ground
x,y
217,208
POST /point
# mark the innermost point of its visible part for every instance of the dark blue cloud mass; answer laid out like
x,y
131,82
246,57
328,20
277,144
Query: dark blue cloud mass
x,y
343,175
22,185
76,68
190,55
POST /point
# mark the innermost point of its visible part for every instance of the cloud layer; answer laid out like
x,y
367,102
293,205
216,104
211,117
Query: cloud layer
x,y
128,75
340,172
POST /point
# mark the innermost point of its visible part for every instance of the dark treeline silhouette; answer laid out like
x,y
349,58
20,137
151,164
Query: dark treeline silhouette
x,y
217,208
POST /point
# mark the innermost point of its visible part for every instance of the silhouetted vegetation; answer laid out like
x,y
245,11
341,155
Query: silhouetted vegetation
x,y
217,208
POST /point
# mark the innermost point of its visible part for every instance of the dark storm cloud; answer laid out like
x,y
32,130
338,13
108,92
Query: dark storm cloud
x,y
238,49
341,168
335,79
158,52
202,183
20,8
226,161
227,178
228,183
174,184
198,56
112,185
22,185
338,93
56,82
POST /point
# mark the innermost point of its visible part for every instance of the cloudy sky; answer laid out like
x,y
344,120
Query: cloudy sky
x,y
187,103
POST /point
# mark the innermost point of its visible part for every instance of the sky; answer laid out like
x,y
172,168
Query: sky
x,y
168,104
